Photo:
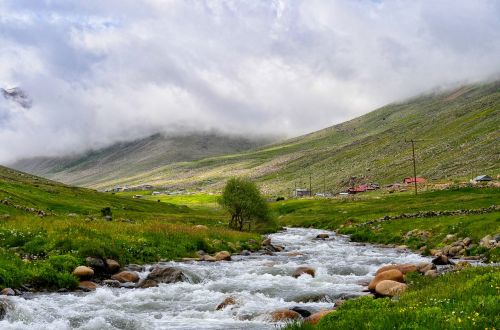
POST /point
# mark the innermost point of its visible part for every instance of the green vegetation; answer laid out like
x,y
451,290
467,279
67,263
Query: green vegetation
x,y
47,228
466,299
242,200
459,130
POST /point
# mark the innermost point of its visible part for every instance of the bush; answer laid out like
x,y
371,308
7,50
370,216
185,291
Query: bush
x,y
242,199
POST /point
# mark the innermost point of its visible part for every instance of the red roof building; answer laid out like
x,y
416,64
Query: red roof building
x,y
412,180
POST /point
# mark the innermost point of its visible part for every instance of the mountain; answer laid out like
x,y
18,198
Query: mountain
x,y
457,133
126,159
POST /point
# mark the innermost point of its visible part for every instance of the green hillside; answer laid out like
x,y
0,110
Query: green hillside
x,y
47,229
459,139
126,159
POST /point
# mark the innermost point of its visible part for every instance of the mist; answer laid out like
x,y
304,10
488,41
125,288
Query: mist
x,y
99,72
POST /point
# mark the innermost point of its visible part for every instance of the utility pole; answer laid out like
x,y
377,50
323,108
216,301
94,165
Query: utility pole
x,y
412,141
310,186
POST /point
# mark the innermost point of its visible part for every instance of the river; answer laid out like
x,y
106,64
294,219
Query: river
x,y
259,283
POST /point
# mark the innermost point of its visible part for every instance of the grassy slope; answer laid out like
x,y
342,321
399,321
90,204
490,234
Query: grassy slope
x,y
467,299
54,244
128,158
460,129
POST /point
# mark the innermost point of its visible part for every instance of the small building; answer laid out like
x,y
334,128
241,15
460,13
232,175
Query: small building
x,y
483,178
299,192
410,180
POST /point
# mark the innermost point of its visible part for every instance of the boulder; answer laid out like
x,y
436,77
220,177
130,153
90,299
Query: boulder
x,y
222,255
112,283
441,260
134,268
302,311
3,309
126,276
227,302
83,272
207,258
467,241
303,270
431,273
455,250
487,242
323,236
316,317
391,274
267,241
403,268
390,288
282,315
97,264
162,275
87,286
8,292
425,266
112,266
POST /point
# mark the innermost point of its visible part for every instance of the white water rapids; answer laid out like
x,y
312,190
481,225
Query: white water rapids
x,y
259,283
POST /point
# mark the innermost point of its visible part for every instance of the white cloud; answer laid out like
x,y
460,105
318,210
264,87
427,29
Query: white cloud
x,y
103,71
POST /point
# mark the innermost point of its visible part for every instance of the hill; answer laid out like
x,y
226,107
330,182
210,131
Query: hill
x,y
457,129
458,133
126,159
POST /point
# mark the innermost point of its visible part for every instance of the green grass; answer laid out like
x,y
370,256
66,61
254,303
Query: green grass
x,y
467,299
43,250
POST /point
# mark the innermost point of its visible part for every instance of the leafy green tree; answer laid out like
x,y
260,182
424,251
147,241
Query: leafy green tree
x,y
242,199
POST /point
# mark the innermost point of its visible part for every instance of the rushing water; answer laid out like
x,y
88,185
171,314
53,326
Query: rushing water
x,y
259,283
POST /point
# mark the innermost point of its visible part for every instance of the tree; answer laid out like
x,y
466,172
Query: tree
x,y
242,199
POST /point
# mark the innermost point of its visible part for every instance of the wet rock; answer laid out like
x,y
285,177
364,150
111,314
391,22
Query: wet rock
x,y
83,272
441,260
8,292
222,255
112,283
403,268
302,311
245,253
316,317
97,264
388,288
266,242
112,266
134,268
126,276
402,247
87,286
303,270
278,248
285,315
227,302
163,275
3,309
323,236
391,274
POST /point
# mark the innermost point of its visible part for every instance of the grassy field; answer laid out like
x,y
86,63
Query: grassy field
x,y
466,299
43,250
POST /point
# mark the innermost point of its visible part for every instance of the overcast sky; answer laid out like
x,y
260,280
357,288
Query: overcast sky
x,y
109,70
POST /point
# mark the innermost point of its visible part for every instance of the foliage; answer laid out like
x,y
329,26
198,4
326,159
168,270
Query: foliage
x,y
242,199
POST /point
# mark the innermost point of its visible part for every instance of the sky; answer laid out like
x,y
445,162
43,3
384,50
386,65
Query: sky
x,y
98,72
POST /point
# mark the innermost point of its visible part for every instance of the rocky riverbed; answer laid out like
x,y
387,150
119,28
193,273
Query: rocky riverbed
x,y
253,291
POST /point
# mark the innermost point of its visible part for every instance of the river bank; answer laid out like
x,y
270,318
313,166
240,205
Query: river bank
x,y
259,284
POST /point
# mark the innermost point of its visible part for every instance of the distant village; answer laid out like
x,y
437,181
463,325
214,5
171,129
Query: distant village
x,y
404,185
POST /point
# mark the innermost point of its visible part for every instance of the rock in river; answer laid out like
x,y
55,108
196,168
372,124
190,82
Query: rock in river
x,y
126,276
222,255
303,270
163,275
285,315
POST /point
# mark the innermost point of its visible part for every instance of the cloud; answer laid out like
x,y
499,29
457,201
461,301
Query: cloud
x,y
105,71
